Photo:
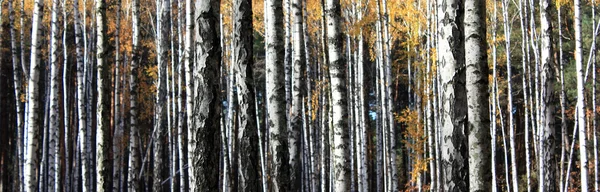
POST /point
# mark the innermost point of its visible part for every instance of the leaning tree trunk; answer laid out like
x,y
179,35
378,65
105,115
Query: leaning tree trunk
x,y
247,138
297,89
33,118
547,171
133,178
580,99
477,95
275,93
103,134
341,166
207,102
453,111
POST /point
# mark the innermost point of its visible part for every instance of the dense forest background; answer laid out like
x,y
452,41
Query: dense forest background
x,y
299,95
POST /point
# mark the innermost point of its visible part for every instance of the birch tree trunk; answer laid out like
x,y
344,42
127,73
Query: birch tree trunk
x,y
248,162
507,32
563,103
275,93
580,99
161,112
189,79
54,151
451,61
103,134
33,118
547,171
17,80
341,155
133,180
297,93
477,95
81,96
207,102
493,99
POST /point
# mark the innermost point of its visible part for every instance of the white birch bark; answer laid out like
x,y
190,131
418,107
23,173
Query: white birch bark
x,y
161,110
103,134
297,93
133,180
53,150
188,64
339,101
453,116
17,83
563,124
477,95
493,99
81,97
33,122
547,171
581,114
275,93
507,32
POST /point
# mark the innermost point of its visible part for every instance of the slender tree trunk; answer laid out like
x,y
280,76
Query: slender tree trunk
x,y
81,97
275,93
17,80
581,113
546,150
133,180
161,112
493,99
206,100
53,148
563,123
188,64
117,128
33,126
525,63
594,112
507,32
181,143
66,106
297,93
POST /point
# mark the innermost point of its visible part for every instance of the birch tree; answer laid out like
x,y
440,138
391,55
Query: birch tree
x,y
54,151
547,171
453,115
103,134
133,180
580,99
337,72
81,96
247,136
507,32
297,94
477,95
160,111
33,118
275,93
17,83
207,101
